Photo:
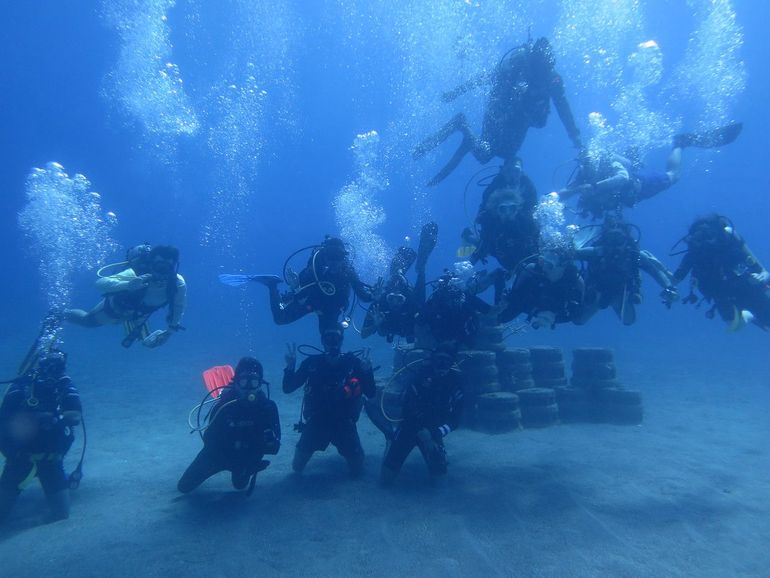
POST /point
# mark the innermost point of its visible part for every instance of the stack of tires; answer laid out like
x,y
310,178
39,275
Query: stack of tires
x,y
548,368
497,412
515,369
489,335
478,371
594,373
538,407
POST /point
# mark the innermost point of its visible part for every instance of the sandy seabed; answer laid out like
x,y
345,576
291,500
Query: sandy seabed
x,y
684,494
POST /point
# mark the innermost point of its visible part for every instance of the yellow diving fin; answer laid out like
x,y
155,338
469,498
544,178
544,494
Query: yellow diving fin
x,y
466,250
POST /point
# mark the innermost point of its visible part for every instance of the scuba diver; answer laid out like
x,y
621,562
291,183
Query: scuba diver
x,y
37,417
242,427
150,282
507,229
334,383
613,181
432,406
613,263
523,85
451,312
397,302
725,272
322,287
549,289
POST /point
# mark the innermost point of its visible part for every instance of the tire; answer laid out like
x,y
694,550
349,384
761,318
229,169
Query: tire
x,y
595,371
539,416
616,396
536,396
481,374
590,355
498,422
519,384
545,354
476,358
476,388
595,384
520,368
549,371
552,383
517,356
500,402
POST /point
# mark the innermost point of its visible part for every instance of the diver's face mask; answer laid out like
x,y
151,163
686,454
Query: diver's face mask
x,y
50,369
249,381
249,385
395,300
508,211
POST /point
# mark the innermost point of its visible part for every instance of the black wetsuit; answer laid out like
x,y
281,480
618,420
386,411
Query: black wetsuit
x,y
532,292
328,296
434,403
40,405
722,272
452,315
240,432
332,402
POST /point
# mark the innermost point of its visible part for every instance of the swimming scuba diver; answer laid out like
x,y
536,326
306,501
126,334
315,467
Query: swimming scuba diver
x,y
334,383
614,261
395,308
726,273
451,312
549,289
322,287
523,85
37,417
613,182
243,426
150,282
507,229
432,406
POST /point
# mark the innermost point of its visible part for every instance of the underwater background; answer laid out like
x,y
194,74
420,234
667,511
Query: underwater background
x,y
242,130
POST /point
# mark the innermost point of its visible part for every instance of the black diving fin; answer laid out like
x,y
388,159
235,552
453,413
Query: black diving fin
x,y
709,139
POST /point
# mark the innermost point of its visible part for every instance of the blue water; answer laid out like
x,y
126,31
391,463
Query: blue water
x,y
229,130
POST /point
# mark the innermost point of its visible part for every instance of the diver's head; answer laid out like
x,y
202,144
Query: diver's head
x,y
449,291
333,255
442,358
51,366
506,203
552,265
542,54
138,258
163,261
708,231
332,341
248,378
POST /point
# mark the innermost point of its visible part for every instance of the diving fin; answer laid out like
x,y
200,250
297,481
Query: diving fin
x,y
218,377
428,239
402,260
466,251
711,138
741,319
235,280
136,329
370,321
